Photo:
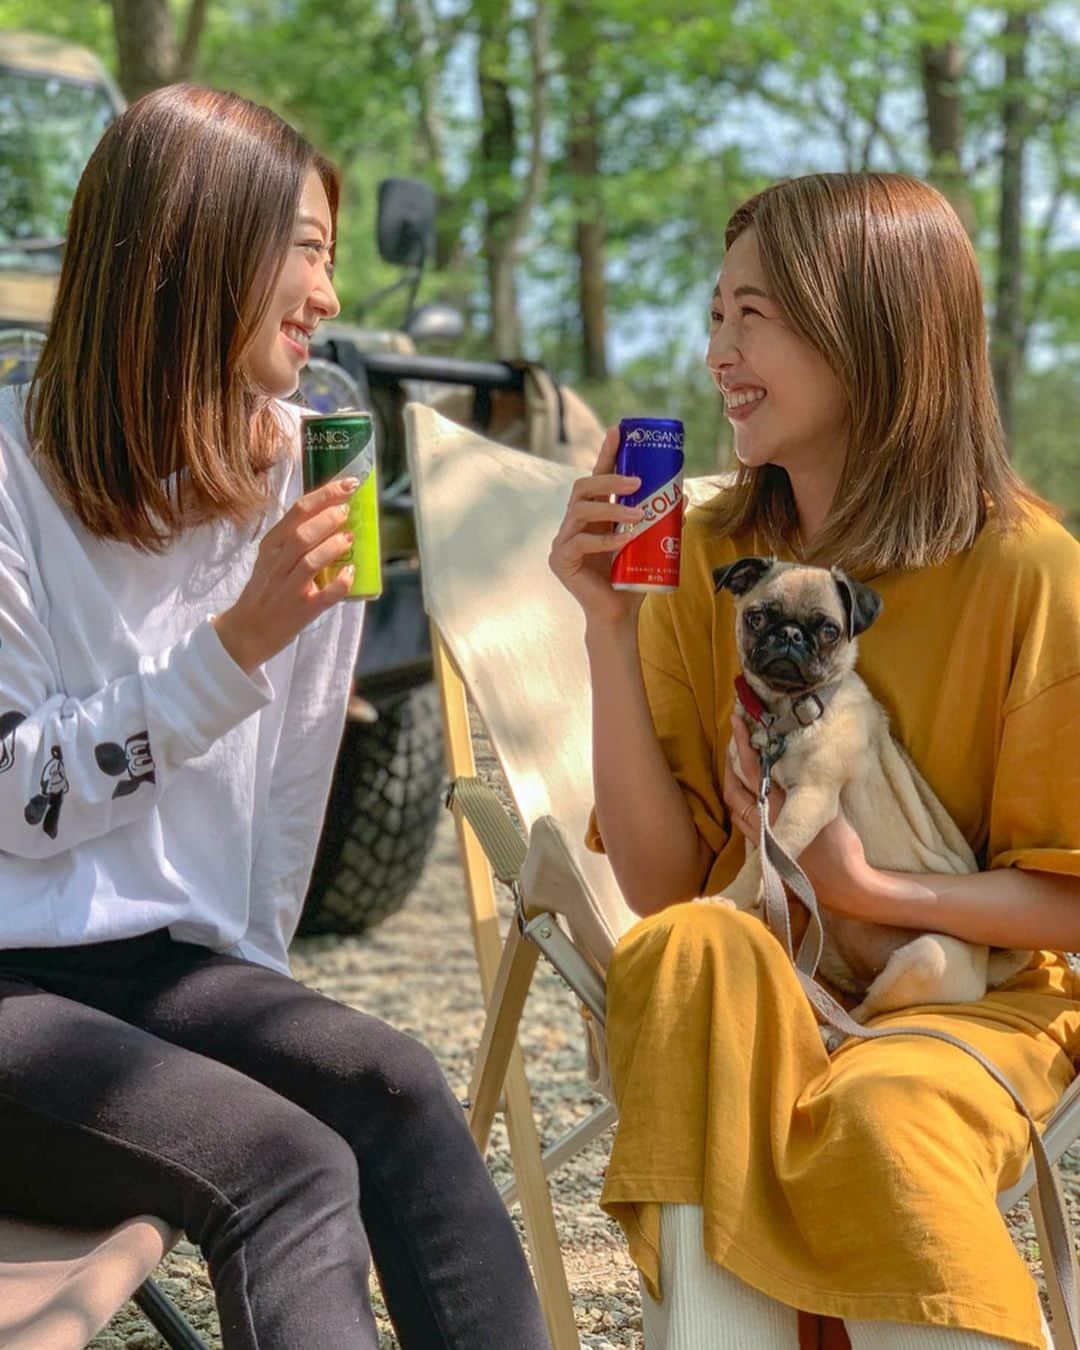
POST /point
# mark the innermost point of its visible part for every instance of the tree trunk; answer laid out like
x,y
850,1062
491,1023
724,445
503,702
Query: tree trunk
x,y
583,161
147,51
145,45
1007,335
509,205
498,148
505,315
589,243
189,47
942,67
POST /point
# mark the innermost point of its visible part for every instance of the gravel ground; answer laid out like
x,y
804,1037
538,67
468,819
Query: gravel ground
x,y
418,972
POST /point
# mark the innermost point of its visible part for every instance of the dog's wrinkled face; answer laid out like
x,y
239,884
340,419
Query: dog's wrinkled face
x,y
796,626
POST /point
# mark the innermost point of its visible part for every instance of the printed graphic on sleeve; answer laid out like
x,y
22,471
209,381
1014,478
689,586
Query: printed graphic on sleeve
x,y
44,809
9,724
132,758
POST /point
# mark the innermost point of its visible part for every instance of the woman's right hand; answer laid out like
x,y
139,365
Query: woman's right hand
x,y
582,550
281,597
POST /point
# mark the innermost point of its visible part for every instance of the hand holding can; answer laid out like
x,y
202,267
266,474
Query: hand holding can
x,y
581,551
337,446
280,599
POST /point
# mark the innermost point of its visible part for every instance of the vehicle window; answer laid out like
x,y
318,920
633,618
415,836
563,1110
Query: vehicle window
x,y
48,127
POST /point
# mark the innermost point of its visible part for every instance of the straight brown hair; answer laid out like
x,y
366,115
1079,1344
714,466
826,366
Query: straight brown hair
x,y
877,273
139,412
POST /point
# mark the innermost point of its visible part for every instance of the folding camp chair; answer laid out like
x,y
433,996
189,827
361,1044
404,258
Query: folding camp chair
x,y
509,637
59,1287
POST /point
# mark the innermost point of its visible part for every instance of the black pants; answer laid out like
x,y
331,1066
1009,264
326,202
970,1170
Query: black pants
x,y
285,1133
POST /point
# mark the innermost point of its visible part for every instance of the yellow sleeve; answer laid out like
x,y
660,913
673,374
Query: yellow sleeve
x,y
1035,806
685,738
1035,811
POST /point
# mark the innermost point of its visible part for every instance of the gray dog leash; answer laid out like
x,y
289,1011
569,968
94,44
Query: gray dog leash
x,y
779,869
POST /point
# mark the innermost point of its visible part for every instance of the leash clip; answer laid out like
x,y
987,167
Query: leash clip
x,y
773,751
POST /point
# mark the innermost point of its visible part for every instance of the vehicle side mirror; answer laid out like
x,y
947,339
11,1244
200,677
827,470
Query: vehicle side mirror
x,y
434,322
405,229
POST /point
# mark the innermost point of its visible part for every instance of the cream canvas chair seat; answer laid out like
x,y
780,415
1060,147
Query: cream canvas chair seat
x,y
60,1287
509,637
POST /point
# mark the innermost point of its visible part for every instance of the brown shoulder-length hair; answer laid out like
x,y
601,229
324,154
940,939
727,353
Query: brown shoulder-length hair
x,y
876,272
139,411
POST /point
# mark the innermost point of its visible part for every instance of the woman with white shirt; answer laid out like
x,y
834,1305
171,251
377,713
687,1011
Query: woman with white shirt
x,y
172,694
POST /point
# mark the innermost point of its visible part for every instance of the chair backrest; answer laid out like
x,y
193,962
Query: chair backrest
x,y
485,518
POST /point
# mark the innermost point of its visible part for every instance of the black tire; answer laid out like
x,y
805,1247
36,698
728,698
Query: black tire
x,y
381,817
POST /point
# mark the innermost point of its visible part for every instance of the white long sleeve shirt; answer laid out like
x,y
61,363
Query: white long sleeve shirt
x,y
146,781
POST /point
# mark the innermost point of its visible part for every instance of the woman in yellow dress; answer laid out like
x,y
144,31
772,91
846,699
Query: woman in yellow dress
x,y
754,1174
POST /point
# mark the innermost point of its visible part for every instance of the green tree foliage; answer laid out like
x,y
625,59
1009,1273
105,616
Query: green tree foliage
x,y
1048,448
656,121
91,24
339,73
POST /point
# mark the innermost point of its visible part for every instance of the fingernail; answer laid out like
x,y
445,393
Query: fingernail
x,y
348,572
350,484
344,508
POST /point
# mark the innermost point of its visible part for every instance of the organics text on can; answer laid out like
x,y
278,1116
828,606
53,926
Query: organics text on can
x,y
342,445
651,448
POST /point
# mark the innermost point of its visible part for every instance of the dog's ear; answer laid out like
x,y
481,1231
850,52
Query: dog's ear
x,y
740,576
862,604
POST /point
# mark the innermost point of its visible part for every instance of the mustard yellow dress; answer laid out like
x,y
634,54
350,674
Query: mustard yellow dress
x,y
861,1186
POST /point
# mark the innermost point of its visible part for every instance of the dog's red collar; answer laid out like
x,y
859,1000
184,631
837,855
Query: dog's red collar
x,y
750,701
807,708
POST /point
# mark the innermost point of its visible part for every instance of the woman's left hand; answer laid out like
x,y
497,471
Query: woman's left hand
x,y
834,861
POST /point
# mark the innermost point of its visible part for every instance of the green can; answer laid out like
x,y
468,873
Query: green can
x,y
342,445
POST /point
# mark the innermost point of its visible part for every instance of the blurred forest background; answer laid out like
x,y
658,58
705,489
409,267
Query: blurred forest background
x,y
587,153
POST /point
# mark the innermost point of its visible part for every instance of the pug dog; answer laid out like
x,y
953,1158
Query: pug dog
x,y
797,629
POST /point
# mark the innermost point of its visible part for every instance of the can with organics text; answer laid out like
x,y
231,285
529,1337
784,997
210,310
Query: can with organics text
x,y
651,448
342,445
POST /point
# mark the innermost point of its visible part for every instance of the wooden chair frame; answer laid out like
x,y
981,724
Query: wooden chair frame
x,y
513,1087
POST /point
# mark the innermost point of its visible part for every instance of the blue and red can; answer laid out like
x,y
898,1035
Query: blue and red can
x,y
651,448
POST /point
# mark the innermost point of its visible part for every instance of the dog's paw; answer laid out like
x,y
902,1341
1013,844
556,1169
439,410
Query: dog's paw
x,y
720,900
831,1039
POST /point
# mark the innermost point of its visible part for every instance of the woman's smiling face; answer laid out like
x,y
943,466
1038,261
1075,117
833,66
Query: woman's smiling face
x,y
303,296
785,404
